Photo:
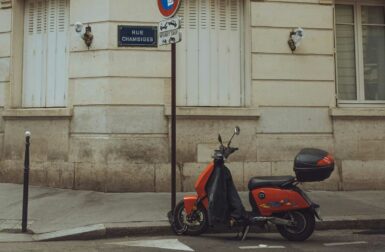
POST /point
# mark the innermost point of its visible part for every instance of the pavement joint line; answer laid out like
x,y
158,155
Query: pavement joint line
x,y
171,244
262,246
344,243
355,217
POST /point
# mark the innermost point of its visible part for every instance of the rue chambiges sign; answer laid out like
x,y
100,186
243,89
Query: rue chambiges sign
x,y
139,36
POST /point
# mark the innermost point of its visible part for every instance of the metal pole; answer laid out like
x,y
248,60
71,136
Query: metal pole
x,y
26,183
173,126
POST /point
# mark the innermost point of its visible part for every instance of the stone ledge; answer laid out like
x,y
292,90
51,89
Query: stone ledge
x,y
5,4
326,2
41,112
247,113
357,112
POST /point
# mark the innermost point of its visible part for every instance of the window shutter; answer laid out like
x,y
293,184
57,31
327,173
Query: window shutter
x,y
45,53
57,53
209,61
373,46
33,92
204,48
346,58
192,52
213,82
233,66
181,96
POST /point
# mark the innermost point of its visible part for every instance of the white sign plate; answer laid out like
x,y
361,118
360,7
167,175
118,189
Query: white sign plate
x,y
168,31
169,24
169,37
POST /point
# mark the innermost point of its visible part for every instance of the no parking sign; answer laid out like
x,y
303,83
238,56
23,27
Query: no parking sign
x,y
168,7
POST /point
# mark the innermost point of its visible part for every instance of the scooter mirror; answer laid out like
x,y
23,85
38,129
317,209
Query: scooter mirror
x,y
220,139
237,130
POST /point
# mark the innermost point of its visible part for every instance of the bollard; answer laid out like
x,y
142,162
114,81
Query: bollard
x,y
26,183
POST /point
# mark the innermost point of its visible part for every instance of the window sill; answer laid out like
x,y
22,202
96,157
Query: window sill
x,y
40,112
246,113
357,112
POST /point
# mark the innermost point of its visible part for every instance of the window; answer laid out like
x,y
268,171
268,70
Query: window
x,y
45,53
360,41
209,64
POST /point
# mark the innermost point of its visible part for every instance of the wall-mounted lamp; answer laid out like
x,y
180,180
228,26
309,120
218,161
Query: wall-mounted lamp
x,y
87,36
295,38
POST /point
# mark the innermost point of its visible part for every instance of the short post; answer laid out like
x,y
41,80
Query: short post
x,y
26,183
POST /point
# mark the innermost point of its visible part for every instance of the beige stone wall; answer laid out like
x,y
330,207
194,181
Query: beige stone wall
x,y
293,90
114,130
5,53
114,134
360,144
118,132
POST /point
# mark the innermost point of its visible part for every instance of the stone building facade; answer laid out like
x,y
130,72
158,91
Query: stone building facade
x,y
106,127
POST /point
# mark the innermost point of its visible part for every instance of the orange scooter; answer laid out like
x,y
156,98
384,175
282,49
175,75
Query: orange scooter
x,y
276,200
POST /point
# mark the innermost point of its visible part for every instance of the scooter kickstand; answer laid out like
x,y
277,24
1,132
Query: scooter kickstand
x,y
267,227
245,232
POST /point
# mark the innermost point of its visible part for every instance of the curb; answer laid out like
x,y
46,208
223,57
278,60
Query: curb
x,y
115,230
349,222
81,233
163,228
7,238
138,228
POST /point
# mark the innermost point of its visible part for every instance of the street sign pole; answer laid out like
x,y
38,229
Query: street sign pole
x,y
173,125
169,33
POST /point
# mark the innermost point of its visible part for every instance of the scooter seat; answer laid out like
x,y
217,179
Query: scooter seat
x,y
274,181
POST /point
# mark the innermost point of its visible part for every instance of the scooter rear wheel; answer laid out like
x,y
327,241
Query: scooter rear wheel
x,y
195,225
304,225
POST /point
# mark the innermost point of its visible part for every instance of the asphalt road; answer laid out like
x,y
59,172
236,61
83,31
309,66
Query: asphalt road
x,y
331,240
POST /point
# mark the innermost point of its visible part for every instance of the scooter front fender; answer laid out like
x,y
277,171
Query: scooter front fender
x,y
190,203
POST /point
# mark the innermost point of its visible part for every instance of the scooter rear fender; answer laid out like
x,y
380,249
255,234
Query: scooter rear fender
x,y
314,207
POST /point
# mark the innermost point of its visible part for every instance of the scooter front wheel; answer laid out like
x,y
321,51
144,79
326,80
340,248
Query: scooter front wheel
x,y
193,224
304,224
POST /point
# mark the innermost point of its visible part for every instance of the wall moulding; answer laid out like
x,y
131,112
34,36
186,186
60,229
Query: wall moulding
x,y
326,2
5,4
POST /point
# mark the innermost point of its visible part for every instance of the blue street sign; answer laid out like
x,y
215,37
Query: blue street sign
x,y
138,36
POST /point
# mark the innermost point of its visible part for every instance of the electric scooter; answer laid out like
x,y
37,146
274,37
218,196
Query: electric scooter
x,y
276,200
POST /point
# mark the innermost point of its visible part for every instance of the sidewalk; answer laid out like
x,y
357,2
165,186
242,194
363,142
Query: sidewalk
x,y
67,214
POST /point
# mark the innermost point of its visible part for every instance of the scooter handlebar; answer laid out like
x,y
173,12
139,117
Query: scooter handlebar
x,y
229,150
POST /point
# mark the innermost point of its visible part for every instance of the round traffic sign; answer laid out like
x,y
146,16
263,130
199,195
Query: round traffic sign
x,y
168,7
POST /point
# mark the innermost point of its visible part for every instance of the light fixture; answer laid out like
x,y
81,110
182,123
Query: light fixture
x,y
87,36
295,38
